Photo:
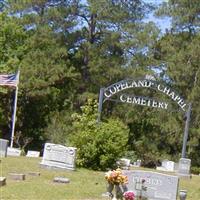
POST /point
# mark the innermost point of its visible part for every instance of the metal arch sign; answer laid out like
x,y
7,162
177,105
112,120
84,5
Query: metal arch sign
x,y
114,89
143,83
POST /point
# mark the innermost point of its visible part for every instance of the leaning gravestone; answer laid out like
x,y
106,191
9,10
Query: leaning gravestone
x,y
13,151
3,147
152,185
58,156
184,167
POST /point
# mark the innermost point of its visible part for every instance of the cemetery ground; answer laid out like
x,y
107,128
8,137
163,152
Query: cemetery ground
x,y
84,184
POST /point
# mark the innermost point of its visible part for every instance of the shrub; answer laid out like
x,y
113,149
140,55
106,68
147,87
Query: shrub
x,y
98,145
195,170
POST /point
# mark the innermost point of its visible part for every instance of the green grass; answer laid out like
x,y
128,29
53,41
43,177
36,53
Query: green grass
x,y
85,184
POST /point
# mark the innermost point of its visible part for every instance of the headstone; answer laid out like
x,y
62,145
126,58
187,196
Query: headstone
x,y
16,176
13,151
61,180
137,163
152,185
184,167
167,165
3,147
124,163
34,173
34,154
2,181
58,156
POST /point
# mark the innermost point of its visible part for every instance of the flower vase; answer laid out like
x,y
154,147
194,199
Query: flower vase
x,y
118,192
110,188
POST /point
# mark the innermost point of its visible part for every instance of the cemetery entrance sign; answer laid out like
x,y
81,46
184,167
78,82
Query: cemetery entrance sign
x,y
145,83
115,91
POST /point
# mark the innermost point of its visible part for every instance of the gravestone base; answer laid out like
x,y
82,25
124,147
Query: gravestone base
x,y
184,176
2,181
53,167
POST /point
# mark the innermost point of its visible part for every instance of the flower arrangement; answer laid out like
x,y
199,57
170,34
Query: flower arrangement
x,y
129,195
116,177
117,182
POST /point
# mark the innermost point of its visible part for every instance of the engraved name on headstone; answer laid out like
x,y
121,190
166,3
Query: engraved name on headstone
x,y
157,186
59,156
3,147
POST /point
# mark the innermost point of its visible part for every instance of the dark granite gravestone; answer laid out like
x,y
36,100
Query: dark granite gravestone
x,y
152,185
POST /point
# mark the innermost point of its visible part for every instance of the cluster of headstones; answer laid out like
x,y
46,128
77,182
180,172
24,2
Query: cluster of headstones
x,y
54,156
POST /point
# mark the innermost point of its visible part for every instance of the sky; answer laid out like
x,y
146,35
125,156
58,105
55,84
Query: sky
x,y
162,22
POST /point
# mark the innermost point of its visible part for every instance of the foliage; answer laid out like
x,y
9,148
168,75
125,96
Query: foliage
x,y
195,170
58,129
99,145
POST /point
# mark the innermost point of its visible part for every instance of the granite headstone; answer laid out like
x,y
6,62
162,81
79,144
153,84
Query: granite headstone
x,y
184,167
3,147
157,186
58,156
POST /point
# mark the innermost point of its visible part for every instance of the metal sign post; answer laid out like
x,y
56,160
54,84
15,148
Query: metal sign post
x,y
100,104
185,136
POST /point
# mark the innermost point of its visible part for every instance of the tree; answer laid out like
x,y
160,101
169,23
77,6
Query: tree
x,y
99,146
179,50
12,39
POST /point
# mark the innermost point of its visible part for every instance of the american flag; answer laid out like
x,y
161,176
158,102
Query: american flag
x,y
9,80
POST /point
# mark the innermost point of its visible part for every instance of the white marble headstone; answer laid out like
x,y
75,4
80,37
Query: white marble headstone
x,y
59,156
33,154
13,151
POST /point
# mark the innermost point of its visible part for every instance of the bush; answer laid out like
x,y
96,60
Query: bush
x,y
99,146
195,170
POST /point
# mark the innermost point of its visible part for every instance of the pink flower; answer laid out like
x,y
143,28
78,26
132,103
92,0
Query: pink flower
x,y
129,195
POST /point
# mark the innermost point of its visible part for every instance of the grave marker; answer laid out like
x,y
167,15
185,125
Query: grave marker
x,y
34,154
58,156
157,186
16,176
13,151
184,167
2,181
3,147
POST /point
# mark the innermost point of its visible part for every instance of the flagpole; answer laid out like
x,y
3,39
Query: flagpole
x,y
14,112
